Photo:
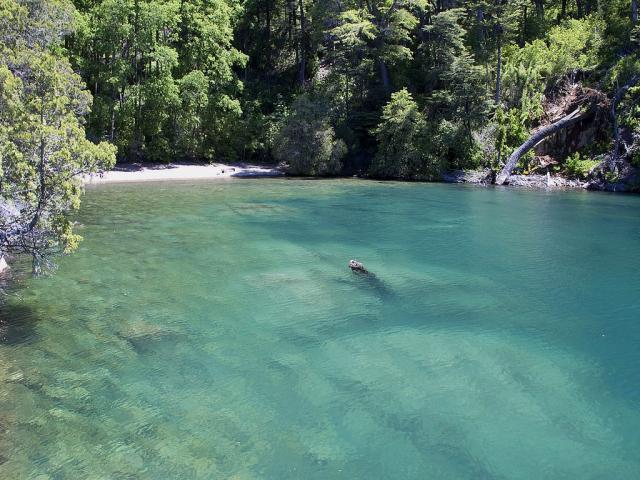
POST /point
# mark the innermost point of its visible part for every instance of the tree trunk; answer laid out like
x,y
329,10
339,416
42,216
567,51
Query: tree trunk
x,y
114,96
112,130
268,34
183,25
540,8
384,76
614,116
303,45
536,138
499,68
133,146
563,12
42,166
523,32
480,21
634,11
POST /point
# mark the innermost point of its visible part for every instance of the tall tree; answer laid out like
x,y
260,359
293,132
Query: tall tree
x,y
43,146
382,31
134,55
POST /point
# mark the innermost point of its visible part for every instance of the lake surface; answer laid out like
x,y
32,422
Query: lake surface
x,y
213,330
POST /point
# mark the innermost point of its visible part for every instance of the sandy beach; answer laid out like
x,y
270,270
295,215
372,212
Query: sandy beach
x,y
157,172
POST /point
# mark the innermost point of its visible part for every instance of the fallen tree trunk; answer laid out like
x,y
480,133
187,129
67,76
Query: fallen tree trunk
x,y
571,119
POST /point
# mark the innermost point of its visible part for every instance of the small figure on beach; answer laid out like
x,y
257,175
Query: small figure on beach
x,y
358,267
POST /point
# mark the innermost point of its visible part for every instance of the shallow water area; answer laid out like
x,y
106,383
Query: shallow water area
x,y
212,329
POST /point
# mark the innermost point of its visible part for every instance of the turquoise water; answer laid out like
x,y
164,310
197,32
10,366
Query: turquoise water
x,y
213,330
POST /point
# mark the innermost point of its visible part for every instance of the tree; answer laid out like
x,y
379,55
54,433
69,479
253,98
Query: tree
x,y
400,135
574,117
194,100
379,33
136,56
43,147
307,142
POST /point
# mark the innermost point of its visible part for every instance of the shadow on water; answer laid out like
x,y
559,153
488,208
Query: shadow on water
x,y
153,342
370,282
17,323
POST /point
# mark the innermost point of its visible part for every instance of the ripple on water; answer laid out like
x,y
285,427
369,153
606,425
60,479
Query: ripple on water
x,y
209,330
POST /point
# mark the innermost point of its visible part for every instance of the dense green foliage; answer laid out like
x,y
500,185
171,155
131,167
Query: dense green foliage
x,y
237,80
400,136
307,142
43,147
162,75
579,167
479,74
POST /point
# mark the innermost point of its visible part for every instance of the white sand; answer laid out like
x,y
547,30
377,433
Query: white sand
x,y
144,173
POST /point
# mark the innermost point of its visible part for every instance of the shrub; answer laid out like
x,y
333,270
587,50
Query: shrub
x,y
306,141
573,45
402,135
574,166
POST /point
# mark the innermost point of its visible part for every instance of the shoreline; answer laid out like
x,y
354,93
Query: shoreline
x,y
134,172
628,183
142,172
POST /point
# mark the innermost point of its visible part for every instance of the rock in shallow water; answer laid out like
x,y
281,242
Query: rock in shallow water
x,y
141,334
482,177
544,181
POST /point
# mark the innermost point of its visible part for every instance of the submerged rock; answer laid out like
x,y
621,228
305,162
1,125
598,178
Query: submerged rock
x,y
139,328
141,334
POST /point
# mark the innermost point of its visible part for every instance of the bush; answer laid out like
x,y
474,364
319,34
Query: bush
x,y
576,167
306,141
573,45
511,132
401,136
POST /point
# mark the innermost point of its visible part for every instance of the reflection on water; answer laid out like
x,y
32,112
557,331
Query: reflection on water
x,y
214,330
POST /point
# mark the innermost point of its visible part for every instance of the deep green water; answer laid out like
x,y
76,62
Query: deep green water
x,y
212,330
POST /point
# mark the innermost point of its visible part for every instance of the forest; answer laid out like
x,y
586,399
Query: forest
x,y
400,89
